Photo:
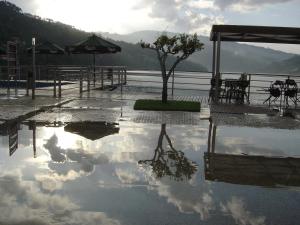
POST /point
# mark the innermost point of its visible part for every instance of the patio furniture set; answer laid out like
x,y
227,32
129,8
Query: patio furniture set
x,y
238,91
231,89
284,91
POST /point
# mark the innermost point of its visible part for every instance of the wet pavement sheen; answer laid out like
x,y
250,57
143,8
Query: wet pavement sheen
x,y
136,173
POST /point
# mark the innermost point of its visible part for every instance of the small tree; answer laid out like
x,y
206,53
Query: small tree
x,y
181,45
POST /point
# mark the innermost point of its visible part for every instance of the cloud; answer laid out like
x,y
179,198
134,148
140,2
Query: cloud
x,y
22,202
236,208
182,16
28,6
245,5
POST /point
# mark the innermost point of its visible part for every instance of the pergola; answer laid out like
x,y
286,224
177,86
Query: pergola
x,y
238,33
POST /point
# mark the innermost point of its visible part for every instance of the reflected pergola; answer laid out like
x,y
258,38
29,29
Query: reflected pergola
x,y
169,162
249,169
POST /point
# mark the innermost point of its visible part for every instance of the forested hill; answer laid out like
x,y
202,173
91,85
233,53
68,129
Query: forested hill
x,y
16,24
235,57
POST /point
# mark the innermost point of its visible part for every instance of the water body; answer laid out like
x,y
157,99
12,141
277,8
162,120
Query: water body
x,y
128,173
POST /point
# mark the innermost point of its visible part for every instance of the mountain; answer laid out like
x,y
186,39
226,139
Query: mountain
x,y
14,24
290,66
235,57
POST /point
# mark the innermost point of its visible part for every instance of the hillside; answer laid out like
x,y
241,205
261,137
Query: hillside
x,y
291,65
234,56
16,24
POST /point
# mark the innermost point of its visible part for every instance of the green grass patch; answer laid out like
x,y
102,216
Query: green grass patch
x,y
171,105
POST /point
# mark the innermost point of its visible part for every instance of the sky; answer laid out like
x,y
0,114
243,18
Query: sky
x,y
190,16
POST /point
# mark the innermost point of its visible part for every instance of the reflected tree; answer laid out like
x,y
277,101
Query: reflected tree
x,y
169,162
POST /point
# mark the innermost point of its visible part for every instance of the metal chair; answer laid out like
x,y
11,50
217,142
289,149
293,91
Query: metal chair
x,y
290,92
212,91
275,91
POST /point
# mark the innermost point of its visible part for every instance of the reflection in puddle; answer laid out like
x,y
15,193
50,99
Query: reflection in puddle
x,y
170,162
249,169
92,130
94,175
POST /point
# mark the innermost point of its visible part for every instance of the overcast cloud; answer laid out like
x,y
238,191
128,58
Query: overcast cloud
x,y
188,16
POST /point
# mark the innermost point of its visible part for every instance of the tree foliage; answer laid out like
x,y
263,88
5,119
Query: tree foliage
x,y
181,46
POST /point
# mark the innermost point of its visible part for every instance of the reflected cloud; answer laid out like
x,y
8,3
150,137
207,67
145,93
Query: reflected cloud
x,y
237,209
57,154
53,181
187,198
127,177
67,164
22,202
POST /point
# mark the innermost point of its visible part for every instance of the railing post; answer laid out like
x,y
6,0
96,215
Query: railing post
x,y
59,85
27,84
80,82
119,74
122,85
102,78
88,81
125,78
173,79
54,83
249,89
112,77
94,76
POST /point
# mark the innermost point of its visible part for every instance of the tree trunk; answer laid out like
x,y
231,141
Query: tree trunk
x,y
165,91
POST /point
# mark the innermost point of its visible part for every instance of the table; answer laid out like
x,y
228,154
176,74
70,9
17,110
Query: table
x,y
236,89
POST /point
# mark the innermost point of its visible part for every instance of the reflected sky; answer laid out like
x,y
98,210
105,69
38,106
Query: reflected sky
x,y
74,180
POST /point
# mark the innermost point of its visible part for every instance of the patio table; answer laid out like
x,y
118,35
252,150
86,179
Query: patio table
x,y
236,89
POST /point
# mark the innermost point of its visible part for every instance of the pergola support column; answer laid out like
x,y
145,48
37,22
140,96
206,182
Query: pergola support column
x,y
217,68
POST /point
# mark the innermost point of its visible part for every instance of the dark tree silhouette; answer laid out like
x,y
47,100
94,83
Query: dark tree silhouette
x,y
182,46
171,162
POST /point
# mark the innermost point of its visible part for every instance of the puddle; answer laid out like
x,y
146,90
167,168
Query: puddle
x,y
127,173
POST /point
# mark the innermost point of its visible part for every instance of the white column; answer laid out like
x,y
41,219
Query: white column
x,y
218,63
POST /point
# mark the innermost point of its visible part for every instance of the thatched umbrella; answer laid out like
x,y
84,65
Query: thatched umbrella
x,y
93,45
47,48
92,130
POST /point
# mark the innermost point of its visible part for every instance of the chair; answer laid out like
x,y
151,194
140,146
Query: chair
x,y
236,89
275,91
212,91
290,92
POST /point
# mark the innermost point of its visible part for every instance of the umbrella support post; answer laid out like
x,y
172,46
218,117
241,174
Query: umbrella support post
x,y
59,86
54,85
102,79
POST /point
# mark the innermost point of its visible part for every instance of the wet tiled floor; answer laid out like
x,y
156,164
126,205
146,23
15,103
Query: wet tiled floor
x,y
145,173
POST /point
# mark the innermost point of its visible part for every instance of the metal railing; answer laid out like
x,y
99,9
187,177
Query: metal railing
x,y
53,78
180,82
